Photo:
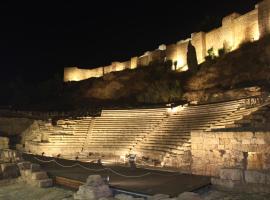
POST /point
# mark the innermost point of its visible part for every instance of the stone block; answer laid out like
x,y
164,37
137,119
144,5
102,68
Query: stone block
x,y
231,174
224,184
212,141
189,196
123,197
260,141
241,135
228,135
253,176
263,135
10,170
24,165
22,172
267,177
39,175
246,141
91,192
45,183
28,173
195,140
159,197
35,167
94,180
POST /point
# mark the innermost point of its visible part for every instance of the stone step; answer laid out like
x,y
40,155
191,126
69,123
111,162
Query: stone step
x,y
24,165
39,175
45,183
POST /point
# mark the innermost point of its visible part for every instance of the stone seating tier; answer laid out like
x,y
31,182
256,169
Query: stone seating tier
x,y
158,133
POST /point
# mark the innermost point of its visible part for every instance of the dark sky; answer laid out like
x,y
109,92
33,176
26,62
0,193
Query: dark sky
x,y
39,40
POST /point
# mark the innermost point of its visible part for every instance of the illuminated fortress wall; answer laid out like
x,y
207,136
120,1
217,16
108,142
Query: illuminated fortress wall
x,y
235,30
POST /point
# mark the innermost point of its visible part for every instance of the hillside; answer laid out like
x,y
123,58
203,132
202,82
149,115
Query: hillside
x,y
226,76
222,78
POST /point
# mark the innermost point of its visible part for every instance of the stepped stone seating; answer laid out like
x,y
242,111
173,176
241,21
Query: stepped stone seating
x,y
161,134
66,139
258,119
170,143
230,120
117,131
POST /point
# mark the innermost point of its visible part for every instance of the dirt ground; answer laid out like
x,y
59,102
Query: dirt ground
x,y
219,195
16,190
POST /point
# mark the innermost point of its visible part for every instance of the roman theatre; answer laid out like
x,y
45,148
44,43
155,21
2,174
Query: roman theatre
x,y
225,143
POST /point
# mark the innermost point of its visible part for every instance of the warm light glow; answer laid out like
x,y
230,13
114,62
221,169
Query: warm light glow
x,y
174,110
234,31
256,35
180,64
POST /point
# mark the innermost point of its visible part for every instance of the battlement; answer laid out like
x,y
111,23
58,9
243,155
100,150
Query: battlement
x,y
235,30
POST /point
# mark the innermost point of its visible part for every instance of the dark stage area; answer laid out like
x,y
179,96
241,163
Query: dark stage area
x,y
139,180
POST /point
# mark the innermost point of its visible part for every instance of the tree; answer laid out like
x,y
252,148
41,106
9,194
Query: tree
x,y
192,61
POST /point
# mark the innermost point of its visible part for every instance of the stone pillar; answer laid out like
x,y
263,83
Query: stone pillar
x,y
264,17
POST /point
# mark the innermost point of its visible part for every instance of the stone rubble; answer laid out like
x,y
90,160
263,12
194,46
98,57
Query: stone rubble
x,y
33,175
13,166
94,188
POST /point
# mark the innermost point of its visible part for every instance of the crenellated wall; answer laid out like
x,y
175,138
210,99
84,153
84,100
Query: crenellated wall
x,y
235,30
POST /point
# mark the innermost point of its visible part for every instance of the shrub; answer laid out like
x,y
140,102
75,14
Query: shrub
x,y
211,53
192,58
221,52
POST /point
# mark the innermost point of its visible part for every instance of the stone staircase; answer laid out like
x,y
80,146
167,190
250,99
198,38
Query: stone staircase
x,y
170,143
115,132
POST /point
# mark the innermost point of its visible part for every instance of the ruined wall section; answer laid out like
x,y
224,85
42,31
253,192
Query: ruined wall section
x,y
212,151
235,30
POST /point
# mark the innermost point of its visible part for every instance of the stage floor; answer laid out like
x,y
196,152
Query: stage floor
x,y
144,181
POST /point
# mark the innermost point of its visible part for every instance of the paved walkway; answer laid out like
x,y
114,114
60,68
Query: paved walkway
x,y
144,181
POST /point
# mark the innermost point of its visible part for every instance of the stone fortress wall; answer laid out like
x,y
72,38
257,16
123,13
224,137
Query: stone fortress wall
x,y
235,30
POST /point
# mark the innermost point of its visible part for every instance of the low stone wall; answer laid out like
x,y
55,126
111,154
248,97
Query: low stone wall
x,y
4,141
212,151
250,181
9,155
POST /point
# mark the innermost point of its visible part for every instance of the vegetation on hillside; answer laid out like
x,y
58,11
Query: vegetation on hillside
x,y
247,66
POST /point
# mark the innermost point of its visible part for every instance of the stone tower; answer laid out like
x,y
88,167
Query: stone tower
x,y
264,17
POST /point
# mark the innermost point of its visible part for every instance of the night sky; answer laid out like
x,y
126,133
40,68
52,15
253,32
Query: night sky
x,y
38,40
